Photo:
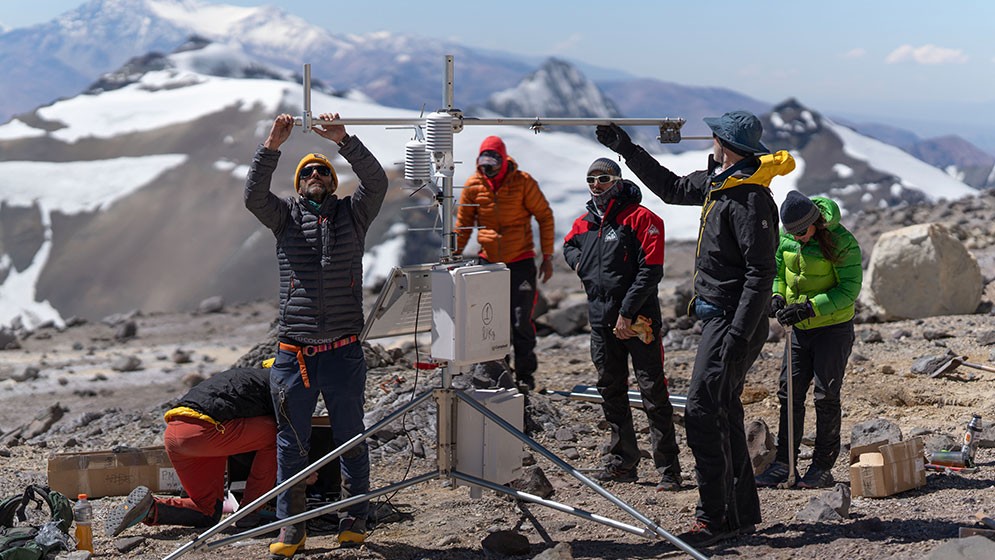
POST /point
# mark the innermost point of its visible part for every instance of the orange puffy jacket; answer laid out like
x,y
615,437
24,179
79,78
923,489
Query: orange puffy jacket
x,y
504,213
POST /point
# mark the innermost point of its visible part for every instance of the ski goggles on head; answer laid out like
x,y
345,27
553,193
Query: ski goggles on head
x,y
602,179
321,169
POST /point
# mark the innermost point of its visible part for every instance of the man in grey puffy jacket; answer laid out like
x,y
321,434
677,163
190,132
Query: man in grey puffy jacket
x,y
319,246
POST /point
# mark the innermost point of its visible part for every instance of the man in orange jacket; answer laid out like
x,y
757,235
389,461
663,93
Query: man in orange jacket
x,y
500,201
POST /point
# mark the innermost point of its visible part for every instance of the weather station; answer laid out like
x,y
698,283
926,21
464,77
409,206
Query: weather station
x,y
468,305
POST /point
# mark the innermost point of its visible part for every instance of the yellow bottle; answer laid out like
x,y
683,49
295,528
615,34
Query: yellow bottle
x,y
83,512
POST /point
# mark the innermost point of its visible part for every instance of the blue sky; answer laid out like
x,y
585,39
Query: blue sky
x,y
926,65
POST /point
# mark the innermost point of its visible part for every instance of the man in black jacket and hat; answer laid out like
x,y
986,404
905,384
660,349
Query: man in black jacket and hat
x,y
734,272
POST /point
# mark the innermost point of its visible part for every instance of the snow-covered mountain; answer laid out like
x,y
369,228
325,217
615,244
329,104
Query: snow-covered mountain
x,y
556,89
101,35
130,195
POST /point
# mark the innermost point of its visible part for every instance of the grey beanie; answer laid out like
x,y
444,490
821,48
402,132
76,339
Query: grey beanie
x,y
604,166
798,212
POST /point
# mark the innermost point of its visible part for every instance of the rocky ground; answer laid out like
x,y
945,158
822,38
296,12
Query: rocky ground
x,y
80,389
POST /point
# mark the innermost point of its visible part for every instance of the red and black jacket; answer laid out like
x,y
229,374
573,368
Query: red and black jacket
x,y
619,258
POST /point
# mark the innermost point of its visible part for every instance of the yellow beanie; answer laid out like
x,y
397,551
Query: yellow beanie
x,y
314,158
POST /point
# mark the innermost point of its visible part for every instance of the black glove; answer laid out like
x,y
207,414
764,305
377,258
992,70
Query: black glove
x,y
616,139
776,304
733,348
795,313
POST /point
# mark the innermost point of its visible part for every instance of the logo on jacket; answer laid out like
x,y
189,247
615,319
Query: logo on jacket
x,y
652,230
525,287
763,224
611,236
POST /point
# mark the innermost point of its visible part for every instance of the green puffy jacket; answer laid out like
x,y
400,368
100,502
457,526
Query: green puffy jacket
x,y
805,274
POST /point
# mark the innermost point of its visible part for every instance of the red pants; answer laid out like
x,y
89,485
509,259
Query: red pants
x,y
199,452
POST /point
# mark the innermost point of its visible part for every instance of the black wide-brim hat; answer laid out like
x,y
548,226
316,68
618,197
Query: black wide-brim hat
x,y
741,129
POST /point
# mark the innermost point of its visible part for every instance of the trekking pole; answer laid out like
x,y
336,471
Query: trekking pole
x,y
791,409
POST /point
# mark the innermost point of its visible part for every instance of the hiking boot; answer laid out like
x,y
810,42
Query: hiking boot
x,y
289,543
615,473
669,483
816,477
774,475
352,531
701,535
133,511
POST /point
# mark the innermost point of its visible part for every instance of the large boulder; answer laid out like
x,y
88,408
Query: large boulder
x,y
921,271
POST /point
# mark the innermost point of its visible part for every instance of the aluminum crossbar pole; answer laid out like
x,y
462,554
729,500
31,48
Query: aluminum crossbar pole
x,y
200,540
325,509
563,465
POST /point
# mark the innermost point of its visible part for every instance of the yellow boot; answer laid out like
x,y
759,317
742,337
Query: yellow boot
x,y
352,531
289,543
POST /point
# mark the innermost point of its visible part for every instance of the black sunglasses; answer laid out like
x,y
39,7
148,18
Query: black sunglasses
x,y
321,169
601,179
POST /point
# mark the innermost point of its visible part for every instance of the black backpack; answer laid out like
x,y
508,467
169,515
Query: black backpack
x,y
18,542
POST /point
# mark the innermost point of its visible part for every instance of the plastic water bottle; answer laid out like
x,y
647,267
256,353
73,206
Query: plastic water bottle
x,y
83,512
971,439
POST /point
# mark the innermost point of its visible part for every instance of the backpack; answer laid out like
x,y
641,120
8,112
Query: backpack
x,y
18,542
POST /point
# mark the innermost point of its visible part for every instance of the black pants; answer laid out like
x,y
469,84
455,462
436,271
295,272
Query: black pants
x,y
523,330
611,358
727,493
818,354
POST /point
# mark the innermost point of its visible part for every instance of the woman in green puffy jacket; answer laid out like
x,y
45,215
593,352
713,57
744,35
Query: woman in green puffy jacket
x,y
818,279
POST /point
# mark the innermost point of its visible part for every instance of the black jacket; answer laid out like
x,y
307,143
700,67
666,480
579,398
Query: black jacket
x,y
230,394
738,230
320,254
619,258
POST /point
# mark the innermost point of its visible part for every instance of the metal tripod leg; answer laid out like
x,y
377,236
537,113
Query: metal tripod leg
x,y
791,409
201,539
576,474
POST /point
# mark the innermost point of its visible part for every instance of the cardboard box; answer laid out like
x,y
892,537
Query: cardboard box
x,y
106,473
882,469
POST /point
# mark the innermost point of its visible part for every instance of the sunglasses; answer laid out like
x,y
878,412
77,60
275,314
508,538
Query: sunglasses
x,y
602,179
321,169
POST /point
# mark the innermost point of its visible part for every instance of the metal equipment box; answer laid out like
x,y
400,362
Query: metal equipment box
x,y
471,313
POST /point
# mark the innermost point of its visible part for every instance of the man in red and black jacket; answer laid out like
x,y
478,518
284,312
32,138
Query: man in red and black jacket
x,y
616,248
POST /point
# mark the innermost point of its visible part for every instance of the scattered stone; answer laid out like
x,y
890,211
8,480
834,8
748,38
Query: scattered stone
x,y
7,338
126,330
969,548
901,333
126,363
986,338
565,434
887,370
192,379
754,393
872,431
760,444
568,320
857,357
181,356
570,453
871,336
533,481
24,373
75,321
935,334
506,543
561,551
213,304
447,541
127,544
